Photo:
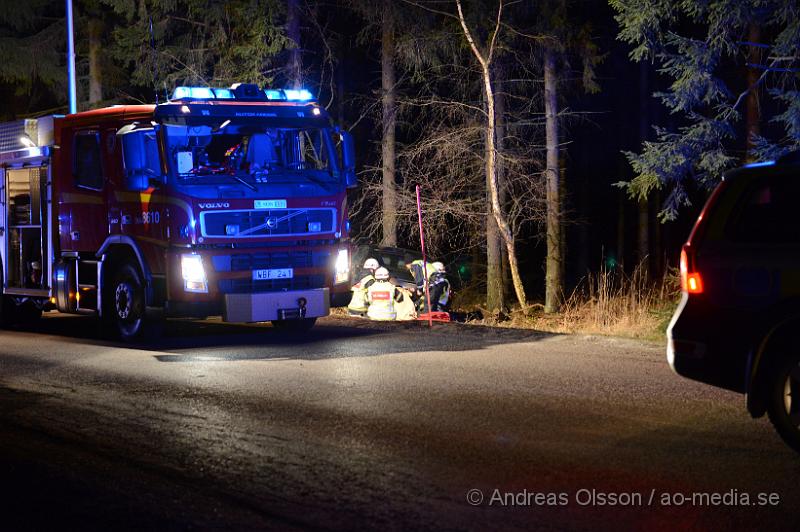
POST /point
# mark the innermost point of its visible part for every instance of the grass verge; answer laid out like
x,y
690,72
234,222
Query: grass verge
x,y
608,303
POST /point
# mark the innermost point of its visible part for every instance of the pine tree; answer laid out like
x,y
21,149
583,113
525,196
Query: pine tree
x,y
207,42
703,48
32,38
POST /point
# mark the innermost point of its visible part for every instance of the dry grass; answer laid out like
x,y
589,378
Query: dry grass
x,y
613,303
608,303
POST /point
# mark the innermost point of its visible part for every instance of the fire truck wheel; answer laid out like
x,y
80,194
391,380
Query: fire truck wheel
x,y
128,305
294,326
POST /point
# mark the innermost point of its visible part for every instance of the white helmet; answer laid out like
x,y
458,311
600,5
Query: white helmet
x,y
438,267
371,264
382,274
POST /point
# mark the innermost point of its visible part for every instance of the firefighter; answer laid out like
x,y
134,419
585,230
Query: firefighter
x,y
381,297
418,269
358,303
439,288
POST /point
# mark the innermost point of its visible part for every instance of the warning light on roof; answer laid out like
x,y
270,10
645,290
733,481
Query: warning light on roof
x,y
242,91
196,93
298,95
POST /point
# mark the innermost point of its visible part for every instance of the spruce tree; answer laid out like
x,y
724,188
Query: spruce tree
x,y
703,50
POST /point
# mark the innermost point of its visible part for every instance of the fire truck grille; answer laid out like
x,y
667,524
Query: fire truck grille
x,y
247,286
259,223
259,261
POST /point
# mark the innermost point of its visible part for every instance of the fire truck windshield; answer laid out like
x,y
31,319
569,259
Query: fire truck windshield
x,y
250,153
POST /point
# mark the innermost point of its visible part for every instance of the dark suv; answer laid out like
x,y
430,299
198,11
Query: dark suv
x,y
738,323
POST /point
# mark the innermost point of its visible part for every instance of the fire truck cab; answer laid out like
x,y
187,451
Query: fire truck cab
x,y
220,201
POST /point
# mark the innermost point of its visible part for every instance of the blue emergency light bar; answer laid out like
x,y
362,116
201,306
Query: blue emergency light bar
x,y
759,164
241,91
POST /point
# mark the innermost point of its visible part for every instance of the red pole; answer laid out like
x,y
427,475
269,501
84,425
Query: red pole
x,y
424,259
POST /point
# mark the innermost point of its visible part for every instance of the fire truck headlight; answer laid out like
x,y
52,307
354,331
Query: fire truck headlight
x,y
342,268
194,275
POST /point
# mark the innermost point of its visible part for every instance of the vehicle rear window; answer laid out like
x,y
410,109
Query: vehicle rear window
x,y
769,212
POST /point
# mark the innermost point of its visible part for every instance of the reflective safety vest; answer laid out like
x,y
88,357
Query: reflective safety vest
x,y
381,296
418,269
358,303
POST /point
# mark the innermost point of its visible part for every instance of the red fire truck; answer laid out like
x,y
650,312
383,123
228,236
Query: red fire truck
x,y
221,201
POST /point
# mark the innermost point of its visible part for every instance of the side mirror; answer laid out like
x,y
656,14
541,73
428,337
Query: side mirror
x,y
140,158
348,160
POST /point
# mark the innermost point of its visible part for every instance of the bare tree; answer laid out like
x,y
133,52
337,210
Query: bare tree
x,y
554,283
485,58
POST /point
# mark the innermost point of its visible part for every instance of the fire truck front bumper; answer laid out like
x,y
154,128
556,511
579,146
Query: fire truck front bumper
x,y
270,306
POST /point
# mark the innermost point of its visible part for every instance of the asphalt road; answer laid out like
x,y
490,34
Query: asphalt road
x,y
376,426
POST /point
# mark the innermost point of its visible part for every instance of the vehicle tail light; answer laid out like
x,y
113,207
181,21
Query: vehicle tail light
x,y
691,280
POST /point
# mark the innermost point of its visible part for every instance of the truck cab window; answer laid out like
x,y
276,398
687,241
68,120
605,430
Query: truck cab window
x,y
249,152
87,167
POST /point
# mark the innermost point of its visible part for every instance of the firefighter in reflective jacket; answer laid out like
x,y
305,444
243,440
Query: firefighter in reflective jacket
x,y
439,288
418,269
358,303
381,296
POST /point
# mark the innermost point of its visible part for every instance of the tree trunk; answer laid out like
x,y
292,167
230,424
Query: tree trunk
x,y
496,257
295,63
554,283
644,206
495,300
95,69
389,100
494,190
753,117
491,157
340,90
620,259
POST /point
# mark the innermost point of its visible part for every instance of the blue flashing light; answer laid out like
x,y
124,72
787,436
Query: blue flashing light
x,y
760,164
196,93
224,94
301,95
209,93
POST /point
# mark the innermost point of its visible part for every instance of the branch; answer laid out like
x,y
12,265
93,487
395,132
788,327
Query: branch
x,y
496,29
443,102
430,9
527,35
751,88
484,63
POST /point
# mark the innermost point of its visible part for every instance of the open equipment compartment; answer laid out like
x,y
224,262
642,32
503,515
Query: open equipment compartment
x,y
26,198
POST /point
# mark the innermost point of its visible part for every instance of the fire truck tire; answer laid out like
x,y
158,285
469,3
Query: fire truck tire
x,y
6,304
126,299
295,326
